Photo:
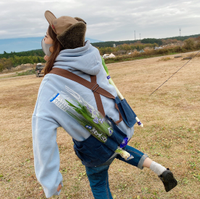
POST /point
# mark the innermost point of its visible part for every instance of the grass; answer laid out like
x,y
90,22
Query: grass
x,y
13,73
170,135
165,59
149,53
28,72
136,56
128,58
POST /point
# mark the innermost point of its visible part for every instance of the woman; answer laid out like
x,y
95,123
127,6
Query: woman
x,y
65,48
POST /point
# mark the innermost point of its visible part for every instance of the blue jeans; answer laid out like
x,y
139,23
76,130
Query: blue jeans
x,y
98,176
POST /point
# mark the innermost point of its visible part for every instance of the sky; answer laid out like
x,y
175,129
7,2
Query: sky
x,y
107,20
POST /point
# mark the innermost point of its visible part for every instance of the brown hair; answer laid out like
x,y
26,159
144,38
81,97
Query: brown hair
x,y
57,47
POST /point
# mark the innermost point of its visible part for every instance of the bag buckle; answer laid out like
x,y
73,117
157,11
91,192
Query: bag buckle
x,y
94,88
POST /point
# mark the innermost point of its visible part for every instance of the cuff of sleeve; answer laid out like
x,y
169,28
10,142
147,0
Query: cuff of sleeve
x,y
58,192
48,195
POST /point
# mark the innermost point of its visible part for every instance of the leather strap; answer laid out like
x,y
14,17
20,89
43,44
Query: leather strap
x,y
96,89
97,95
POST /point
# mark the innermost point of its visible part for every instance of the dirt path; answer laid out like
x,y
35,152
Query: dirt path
x,y
13,73
7,74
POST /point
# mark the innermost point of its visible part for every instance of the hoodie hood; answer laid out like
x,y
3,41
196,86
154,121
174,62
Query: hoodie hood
x,y
82,59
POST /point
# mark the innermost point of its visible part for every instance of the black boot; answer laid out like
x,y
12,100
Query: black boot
x,y
168,180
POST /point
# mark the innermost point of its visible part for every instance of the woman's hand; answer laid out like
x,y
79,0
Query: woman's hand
x,y
59,187
46,57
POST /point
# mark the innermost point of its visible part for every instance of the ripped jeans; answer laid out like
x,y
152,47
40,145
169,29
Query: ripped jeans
x,y
98,176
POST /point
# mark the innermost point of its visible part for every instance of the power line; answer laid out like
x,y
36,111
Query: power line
x,y
173,74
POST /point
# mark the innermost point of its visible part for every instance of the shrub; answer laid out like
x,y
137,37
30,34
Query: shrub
x,y
1,67
149,51
6,63
164,59
189,44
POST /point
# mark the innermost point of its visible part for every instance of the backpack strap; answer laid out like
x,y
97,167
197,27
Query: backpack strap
x,y
97,95
96,89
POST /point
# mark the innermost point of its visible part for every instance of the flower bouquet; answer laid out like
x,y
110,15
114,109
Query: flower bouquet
x,y
87,116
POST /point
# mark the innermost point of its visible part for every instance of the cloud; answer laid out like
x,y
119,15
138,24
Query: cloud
x,y
106,20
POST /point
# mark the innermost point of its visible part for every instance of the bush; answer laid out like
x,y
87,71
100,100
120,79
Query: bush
x,y
164,59
189,44
6,63
1,67
149,51
178,49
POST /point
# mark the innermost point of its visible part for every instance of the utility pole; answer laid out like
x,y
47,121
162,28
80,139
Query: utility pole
x,y
140,36
134,34
179,32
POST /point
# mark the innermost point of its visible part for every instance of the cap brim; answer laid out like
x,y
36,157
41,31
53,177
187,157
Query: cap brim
x,y
50,17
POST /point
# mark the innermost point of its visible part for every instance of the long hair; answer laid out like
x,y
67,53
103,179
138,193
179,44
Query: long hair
x,y
57,47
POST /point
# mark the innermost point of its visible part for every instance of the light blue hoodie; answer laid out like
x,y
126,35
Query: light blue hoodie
x,y
47,117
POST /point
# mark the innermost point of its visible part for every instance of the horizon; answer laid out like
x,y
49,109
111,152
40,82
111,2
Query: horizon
x,y
112,40
22,44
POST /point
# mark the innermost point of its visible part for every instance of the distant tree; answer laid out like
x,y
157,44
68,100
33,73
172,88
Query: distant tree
x,y
21,54
6,63
189,44
152,41
197,43
1,67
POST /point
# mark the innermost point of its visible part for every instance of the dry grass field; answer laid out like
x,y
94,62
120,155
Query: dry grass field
x,y
171,118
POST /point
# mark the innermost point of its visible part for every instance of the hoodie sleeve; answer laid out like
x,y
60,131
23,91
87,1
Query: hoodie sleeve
x,y
46,154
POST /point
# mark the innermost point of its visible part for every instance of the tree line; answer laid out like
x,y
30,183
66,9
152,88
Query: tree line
x,y
124,48
188,45
172,45
36,53
144,41
13,59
